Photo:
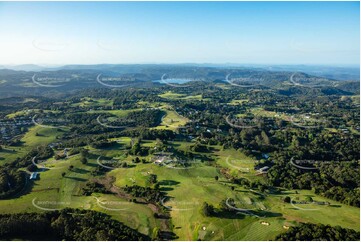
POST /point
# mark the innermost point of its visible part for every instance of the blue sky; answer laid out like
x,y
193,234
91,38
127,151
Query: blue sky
x,y
180,32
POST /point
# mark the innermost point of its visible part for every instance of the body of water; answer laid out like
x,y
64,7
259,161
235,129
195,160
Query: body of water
x,y
174,80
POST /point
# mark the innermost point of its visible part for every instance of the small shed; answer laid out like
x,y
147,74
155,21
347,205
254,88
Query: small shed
x,y
264,169
34,176
265,156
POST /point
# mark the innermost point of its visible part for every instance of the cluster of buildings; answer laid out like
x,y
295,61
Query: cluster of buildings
x,y
11,128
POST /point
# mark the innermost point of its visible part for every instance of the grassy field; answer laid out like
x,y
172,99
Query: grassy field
x,y
39,136
355,99
29,140
53,191
187,189
10,153
93,102
119,113
172,95
239,164
137,216
177,96
21,113
171,120
238,101
28,111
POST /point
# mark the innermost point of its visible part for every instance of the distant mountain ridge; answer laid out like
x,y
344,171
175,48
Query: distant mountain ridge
x,y
75,77
351,73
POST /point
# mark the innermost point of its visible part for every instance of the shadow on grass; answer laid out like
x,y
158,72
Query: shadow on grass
x,y
168,183
166,189
8,151
167,235
234,214
27,188
267,214
93,156
229,215
115,146
128,166
92,164
76,178
80,171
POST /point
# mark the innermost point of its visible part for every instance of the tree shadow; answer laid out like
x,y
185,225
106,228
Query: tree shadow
x,y
93,156
166,189
115,146
26,189
129,166
92,164
80,171
229,215
76,178
234,214
168,183
267,214
167,235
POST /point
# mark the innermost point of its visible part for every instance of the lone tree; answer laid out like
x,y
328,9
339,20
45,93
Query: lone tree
x,y
83,160
156,186
207,209
136,160
152,179
309,199
32,167
287,199
84,152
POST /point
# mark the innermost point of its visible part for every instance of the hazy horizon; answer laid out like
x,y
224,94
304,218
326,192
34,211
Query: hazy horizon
x,y
191,63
